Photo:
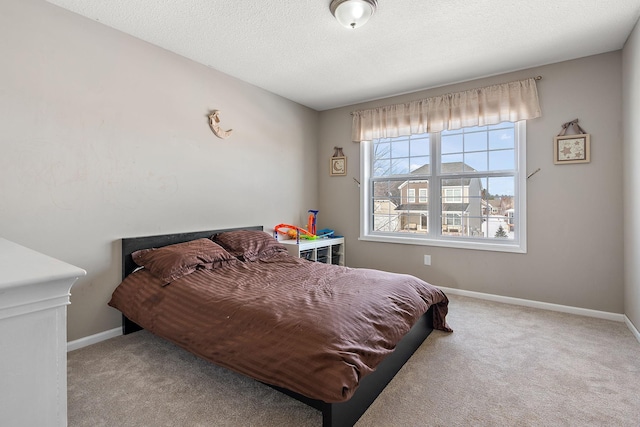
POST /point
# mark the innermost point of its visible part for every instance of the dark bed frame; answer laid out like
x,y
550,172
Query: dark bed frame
x,y
341,414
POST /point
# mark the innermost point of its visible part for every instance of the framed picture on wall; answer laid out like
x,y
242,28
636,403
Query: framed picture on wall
x,y
338,166
568,149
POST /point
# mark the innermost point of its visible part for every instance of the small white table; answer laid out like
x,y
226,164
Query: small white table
x,y
329,250
34,294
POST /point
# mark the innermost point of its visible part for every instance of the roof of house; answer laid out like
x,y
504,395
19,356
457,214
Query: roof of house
x,y
447,207
449,167
413,207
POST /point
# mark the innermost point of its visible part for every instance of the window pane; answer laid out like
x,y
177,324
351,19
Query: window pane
x,y
498,221
452,163
476,162
414,206
381,167
381,150
387,189
496,227
385,217
413,222
502,160
501,186
386,198
503,138
475,142
409,191
420,145
451,143
461,206
473,217
418,163
400,148
400,166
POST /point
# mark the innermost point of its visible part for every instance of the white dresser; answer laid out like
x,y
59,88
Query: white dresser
x,y
34,294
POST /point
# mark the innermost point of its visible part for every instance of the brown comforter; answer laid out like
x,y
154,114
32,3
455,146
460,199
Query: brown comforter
x,y
313,328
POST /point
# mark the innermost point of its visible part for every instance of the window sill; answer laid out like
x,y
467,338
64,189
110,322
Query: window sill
x,y
457,244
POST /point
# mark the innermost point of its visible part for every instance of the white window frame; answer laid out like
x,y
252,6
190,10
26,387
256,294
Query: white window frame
x,y
516,245
453,218
411,195
452,195
422,195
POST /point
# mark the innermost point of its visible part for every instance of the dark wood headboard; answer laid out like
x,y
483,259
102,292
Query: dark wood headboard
x,y
132,244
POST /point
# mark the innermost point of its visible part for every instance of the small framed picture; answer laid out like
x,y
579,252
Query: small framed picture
x,y
338,166
571,149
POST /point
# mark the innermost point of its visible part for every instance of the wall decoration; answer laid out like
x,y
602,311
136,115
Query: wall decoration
x,y
568,149
214,120
571,149
338,164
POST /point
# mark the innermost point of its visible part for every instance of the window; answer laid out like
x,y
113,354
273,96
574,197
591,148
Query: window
x,y
412,195
470,186
423,195
453,219
452,195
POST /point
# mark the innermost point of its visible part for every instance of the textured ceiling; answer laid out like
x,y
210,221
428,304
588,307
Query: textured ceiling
x,y
295,48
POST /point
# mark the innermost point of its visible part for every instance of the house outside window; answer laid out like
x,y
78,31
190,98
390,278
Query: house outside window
x,y
470,184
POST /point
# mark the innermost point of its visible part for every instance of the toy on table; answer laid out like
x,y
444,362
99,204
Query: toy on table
x,y
295,232
311,223
325,232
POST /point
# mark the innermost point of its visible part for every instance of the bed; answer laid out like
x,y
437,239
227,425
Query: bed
x,y
253,308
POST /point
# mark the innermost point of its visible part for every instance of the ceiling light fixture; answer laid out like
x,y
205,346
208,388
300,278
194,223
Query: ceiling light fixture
x,y
353,13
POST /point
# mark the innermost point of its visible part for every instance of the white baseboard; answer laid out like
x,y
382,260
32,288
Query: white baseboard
x,y
632,328
93,339
537,304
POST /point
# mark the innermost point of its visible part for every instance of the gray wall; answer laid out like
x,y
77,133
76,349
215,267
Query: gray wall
x,y
575,230
631,111
104,136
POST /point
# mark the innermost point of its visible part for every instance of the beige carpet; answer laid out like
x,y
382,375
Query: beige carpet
x,y
503,366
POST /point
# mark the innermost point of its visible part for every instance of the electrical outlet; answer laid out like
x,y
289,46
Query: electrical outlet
x,y
427,260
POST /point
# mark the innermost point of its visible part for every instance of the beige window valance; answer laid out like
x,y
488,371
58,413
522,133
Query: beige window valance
x,y
475,107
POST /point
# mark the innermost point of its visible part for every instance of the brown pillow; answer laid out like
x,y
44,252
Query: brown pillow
x,y
174,261
250,245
